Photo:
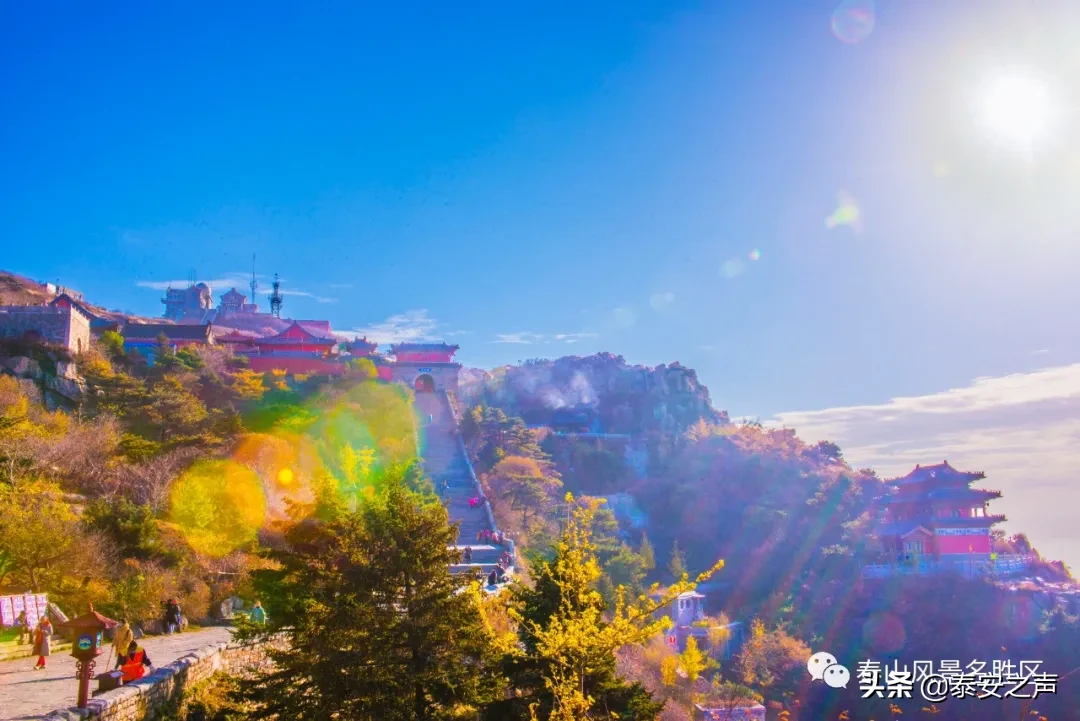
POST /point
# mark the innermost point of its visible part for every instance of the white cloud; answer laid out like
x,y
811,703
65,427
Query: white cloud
x,y
661,300
410,326
528,337
523,337
1022,429
573,337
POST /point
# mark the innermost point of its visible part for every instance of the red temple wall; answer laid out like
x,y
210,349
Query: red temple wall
x,y
265,364
962,544
424,357
305,347
384,373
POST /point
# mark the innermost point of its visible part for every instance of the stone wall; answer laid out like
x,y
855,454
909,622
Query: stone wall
x,y
57,325
445,375
151,695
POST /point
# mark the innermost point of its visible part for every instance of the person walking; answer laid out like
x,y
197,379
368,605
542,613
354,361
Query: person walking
x,y
122,638
42,642
135,663
24,630
172,616
258,615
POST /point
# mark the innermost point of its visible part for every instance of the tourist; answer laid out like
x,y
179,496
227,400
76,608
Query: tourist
x,y
24,628
42,641
258,615
467,556
135,663
122,638
493,578
172,616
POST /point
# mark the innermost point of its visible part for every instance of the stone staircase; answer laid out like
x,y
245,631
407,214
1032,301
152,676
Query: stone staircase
x,y
444,459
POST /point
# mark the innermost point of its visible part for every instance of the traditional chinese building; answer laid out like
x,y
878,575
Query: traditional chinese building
x,y
361,347
302,337
241,343
98,324
933,512
145,337
425,367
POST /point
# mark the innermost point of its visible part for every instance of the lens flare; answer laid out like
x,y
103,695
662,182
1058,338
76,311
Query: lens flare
x,y
285,477
755,254
853,21
847,213
218,506
731,268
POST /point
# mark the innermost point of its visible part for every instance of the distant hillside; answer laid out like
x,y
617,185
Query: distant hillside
x,y
621,398
19,290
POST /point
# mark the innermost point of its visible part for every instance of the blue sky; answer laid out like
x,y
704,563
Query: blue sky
x,y
582,176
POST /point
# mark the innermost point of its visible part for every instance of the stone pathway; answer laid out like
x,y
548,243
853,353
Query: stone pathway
x,y
28,694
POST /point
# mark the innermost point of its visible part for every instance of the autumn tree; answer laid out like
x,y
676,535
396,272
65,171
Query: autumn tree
x,y
42,540
174,412
378,626
566,669
772,660
25,428
521,481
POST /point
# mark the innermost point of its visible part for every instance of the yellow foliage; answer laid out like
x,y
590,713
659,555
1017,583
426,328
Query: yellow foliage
x,y
219,506
693,660
248,384
279,372
578,637
668,667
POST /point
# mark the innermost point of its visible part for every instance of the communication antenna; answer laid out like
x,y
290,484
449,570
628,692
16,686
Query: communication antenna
x,y
275,298
254,283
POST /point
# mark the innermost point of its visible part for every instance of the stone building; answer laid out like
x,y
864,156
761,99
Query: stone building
x,y
64,326
194,303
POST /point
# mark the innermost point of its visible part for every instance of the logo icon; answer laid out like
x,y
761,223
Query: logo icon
x,y
818,663
823,667
837,676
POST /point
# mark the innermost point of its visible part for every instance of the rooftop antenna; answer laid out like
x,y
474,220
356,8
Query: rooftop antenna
x,y
254,283
275,298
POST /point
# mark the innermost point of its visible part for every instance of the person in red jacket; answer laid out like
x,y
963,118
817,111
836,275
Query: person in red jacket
x,y
135,663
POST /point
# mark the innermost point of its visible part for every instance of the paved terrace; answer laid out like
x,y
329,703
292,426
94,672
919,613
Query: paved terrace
x,y
29,694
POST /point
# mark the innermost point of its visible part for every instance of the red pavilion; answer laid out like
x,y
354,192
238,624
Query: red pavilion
x,y
934,512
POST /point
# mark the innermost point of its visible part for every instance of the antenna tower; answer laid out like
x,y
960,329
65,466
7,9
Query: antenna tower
x,y
254,283
275,298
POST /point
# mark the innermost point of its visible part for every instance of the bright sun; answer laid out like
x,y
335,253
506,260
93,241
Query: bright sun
x,y
1016,107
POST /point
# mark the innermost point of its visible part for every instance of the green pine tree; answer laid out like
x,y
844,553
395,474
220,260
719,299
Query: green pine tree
x,y
377,627
677,564
648,555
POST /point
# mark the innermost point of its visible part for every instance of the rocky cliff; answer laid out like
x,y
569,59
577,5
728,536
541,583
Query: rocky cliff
x,y
621,398
46,373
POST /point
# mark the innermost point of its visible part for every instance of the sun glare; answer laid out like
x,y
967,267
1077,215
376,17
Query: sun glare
x,y
1016,108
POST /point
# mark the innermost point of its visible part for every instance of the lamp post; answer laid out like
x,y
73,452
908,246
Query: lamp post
x,y
86,646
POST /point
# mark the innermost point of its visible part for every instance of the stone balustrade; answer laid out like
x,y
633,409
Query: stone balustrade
x,y
154,693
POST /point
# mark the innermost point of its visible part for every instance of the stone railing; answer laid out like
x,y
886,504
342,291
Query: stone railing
x,y
151,695
969,566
